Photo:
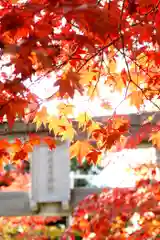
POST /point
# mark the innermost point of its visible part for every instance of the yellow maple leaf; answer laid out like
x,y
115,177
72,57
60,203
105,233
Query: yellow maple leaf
x,y
83,119
116,81
53,124
136,98
155,138
142,59
69,133
111,52
112,66
65,109
137,79
61,127
87,77
67,130
93,126
41,117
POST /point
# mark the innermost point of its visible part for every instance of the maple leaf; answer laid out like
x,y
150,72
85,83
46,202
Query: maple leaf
x,y
32,107
136,98
132,6
21,155
112,66
69,82
66,129
87,77
83,120
106,105
92,126
65,109
12,109
28,147
93,157
16,145
41,117
34,139
155,138
4,144
50,142
61,127
92,91
69,133
80,150
42,29
137,79
4,158
116,82
53,124
120,123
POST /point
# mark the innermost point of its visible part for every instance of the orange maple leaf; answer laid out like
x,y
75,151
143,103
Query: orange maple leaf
x,y
80,150
116,82
84,120
41,117
16,146
50,142
4,144
65,109
155,138
34,139
136,98
27,147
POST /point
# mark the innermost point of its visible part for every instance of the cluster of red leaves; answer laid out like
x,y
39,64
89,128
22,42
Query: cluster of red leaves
x,y
43,37
121,213
109,134
15,99
35,33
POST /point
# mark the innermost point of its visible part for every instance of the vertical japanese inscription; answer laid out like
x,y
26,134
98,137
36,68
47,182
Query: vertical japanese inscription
x,y
50,171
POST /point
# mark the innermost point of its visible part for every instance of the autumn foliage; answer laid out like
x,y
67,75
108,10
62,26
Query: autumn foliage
x,y
121,213
82,47
81,44
35,228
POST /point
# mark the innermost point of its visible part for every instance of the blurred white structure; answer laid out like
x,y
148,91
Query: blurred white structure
x,y
118,171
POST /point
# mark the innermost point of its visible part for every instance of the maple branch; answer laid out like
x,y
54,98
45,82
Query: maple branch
x,y
130,78
98,78
98,52
99,1
124,98
126,91
143,91
146,14
124,56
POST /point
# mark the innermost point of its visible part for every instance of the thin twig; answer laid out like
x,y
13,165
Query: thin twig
x,y
98,52
130,78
